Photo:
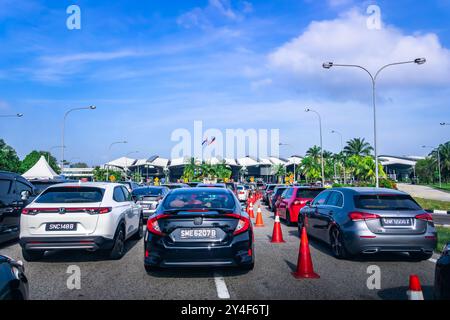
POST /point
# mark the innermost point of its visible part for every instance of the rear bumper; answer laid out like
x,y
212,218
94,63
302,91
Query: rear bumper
x,y
356,243
239,252
53,243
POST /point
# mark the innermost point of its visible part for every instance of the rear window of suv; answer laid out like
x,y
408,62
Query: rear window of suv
x,y
199,199
386,202
308,193
71,195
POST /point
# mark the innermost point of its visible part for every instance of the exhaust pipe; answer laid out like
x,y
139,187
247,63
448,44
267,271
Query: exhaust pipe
x,y
370,251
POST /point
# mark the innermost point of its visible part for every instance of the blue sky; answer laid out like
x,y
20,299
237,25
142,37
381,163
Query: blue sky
x,y
153,66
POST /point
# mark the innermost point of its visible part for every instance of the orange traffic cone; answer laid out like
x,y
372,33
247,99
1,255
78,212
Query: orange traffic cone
x,y
305,267
259,220
250,211
415,290
277,234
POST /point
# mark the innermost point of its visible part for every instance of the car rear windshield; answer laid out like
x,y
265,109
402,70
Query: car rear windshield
x,y
386,202
71,195
308,193
148,192
199,199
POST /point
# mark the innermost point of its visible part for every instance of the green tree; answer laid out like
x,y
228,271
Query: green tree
x,y
30,160
279,171
444,154
222,171
9,161
314,152
100,174
79,165
426,170
190,169
358,146
311,168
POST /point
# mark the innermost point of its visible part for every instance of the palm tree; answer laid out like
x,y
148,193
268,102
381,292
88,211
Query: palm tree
x,y
279,171
189,170
313,152
222,171
358,146
444,154
311,168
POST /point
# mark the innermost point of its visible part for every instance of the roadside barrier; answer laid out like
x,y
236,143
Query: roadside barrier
x,y
415,289
305,267
250,210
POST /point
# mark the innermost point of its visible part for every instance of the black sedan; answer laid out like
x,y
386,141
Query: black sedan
x,y
13,282
442,275
199,227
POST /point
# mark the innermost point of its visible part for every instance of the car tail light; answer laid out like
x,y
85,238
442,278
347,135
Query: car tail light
x,y
153,225
362,216
35,211
242,225
425,217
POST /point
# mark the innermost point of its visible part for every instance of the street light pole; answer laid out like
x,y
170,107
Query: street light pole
x,y
328,65
17,115
50,151
286,144
321,144
63,127
126,161
109,154
439,163
342,148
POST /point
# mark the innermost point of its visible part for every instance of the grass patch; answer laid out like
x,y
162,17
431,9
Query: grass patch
x,y
445,186
443,238
433,204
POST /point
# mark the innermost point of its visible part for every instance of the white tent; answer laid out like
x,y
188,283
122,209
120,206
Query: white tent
x,y
41,171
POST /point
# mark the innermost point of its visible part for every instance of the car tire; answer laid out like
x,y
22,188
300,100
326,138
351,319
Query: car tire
x,y
288,218
32,255
150,269
420,256
138,235
337,244
118,249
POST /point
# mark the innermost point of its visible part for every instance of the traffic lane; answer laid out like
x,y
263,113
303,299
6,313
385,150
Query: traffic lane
x,y
340,279
103,279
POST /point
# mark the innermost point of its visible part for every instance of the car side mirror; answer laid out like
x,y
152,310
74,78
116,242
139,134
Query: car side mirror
x,y
308,203
25,195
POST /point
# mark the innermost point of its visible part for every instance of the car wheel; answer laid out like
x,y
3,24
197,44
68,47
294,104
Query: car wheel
x,y
150,269
118,249
337,245
420,256
288,218
138,235
32,255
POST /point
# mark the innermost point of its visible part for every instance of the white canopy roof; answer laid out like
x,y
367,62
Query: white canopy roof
x,y
122,162
41,171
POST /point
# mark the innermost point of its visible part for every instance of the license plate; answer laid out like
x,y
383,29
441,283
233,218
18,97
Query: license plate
x,y
396,221
61,226
198,234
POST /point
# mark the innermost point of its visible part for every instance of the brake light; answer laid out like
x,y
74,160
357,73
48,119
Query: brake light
x,y
362,216
425,217
35,211
153,225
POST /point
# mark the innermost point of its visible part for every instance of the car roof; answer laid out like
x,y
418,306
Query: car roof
x,y
202,189
211,185
369,190
87,184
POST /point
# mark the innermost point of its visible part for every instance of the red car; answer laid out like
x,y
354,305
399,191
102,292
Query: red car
x,y
293,199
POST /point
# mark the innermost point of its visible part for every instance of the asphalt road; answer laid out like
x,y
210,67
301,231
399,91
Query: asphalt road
x,y
271,278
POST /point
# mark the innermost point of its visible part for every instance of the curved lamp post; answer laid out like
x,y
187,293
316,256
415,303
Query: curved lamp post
x,y
63,127
109,154
321,144
328,65
17,115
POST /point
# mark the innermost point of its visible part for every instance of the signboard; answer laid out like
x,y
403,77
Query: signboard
x,y
112,178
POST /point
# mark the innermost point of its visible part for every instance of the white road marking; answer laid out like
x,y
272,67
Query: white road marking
x,y
221,287
432,260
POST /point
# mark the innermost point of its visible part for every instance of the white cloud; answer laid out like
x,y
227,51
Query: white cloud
x,y
216,12
258,84
346,39
4,105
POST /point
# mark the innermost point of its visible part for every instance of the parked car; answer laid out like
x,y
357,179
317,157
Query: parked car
x,y
276,194
131,185
15,193
268,191
175,185
369,220
442,275
242,193
149,197
231,186
212,185
13,282
199,227
293,199
92,216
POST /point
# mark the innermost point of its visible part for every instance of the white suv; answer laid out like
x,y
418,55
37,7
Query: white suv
x,y
92,216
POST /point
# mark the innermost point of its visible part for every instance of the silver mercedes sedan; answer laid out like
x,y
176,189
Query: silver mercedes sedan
x,y
369,220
